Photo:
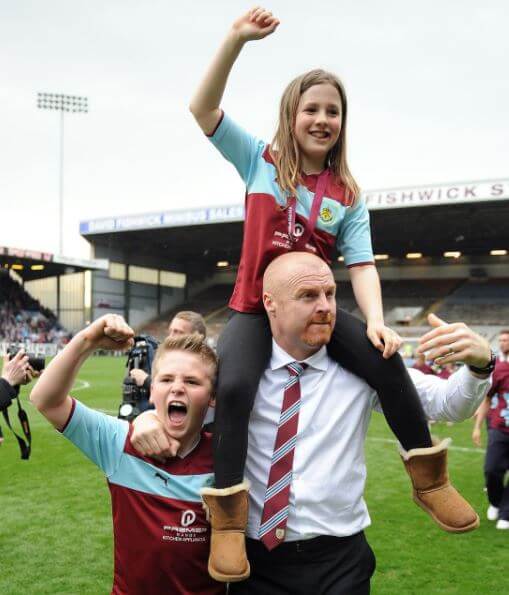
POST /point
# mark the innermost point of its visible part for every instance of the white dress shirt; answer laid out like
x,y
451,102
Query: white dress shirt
x,y
326,495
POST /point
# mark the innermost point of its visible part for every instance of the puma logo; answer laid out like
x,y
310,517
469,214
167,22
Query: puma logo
x,y
162,478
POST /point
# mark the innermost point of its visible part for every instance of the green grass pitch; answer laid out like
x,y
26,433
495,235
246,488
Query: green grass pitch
x,y
55,522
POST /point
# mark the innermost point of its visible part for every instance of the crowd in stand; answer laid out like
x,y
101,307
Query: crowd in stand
x,y
23,319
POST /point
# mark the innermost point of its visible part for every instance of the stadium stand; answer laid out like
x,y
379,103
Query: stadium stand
x,y
210,303
405,301
406,304
478,302
433,244
23,319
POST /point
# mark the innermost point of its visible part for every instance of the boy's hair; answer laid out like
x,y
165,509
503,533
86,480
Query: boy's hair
x,y
196,320
194,343
504,332
286,154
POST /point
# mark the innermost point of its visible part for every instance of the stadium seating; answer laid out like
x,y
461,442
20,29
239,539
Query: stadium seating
x,y
406,304
211,303
405,301
478,302
23,319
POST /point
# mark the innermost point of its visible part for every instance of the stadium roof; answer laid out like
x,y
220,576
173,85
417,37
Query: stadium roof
x,y
32,264
471,217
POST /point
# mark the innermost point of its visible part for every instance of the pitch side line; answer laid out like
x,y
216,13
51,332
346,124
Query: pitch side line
x,y
84,385
458,448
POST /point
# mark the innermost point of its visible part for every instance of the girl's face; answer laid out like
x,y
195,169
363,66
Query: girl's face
x,y
317,125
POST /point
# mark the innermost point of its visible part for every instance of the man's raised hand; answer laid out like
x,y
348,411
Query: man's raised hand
x,y
456,342
110,332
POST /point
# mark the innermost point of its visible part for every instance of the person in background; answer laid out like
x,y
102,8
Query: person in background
x,y
495,409
421,364
446,371
187,322
16,372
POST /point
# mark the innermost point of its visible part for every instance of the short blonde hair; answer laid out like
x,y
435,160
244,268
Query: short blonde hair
x,y
194,343
196,321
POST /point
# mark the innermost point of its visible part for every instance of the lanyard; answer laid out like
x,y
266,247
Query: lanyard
x,y
24,447
321,186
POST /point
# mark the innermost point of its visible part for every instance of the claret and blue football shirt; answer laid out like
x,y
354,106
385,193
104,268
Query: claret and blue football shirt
x,y
340,224
161,535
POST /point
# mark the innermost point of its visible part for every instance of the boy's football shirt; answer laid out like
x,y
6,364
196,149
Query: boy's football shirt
x,y
161,535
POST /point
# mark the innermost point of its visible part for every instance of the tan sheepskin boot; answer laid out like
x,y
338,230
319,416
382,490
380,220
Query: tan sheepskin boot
x,y
432,491
227,510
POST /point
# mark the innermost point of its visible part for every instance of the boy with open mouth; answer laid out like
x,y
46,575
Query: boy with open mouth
x,y
161,535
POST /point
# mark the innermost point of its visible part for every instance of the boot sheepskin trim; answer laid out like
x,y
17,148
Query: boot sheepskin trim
x,y
418,452
239,487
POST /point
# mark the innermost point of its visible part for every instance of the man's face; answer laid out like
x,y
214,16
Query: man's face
x,y
304,309
179,326
181,392
503,343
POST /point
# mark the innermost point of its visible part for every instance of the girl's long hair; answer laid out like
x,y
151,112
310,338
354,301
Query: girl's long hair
x,y
284,149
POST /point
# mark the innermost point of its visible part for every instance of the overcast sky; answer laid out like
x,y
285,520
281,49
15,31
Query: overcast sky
x,y
427,84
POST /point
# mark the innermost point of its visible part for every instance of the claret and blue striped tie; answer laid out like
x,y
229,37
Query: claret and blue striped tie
x,y
275,509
